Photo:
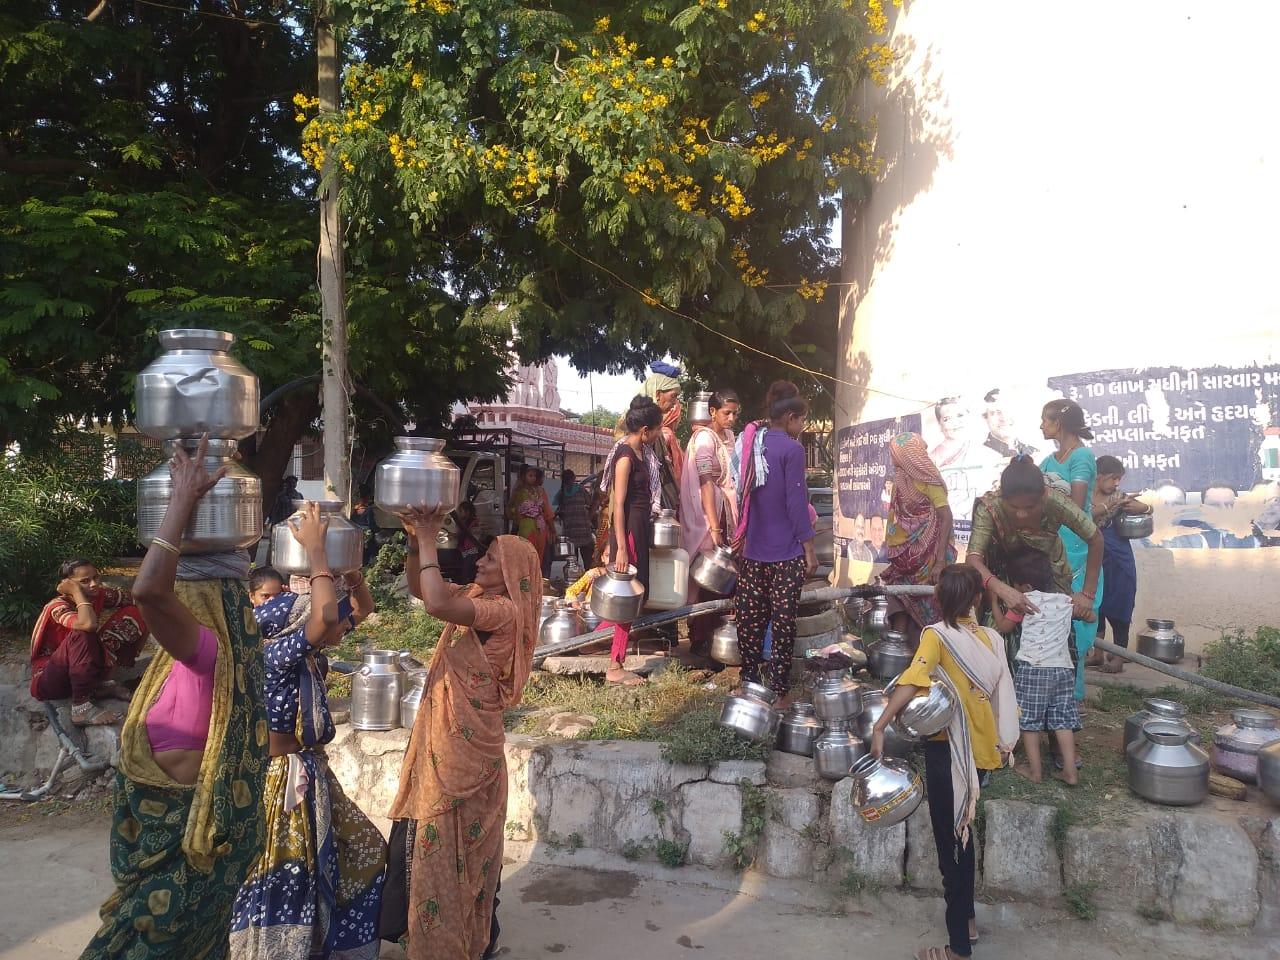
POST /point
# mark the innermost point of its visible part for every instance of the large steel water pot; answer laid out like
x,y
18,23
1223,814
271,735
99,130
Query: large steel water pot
x,y
228,517
1153,708
836,750
836,695
1134,526
548,607
376,689
417,473
749,713
923,716
875,616
666,531
799,730
873,703
724,644
700,410
1161,641
888,656
195,386
563,549
885,791
617,597
1165,767
343,542
1236,745
416,683
563,623
715,571
1269,772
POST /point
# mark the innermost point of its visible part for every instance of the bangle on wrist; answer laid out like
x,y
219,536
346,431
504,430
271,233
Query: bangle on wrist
x,y
428,566
986,581
166,546
84,603
317,576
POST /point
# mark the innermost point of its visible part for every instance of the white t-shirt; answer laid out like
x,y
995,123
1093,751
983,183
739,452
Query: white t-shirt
x,y
1046,635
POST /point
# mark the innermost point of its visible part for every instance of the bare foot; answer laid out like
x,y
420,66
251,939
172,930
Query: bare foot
x,y
973,931
1022,770
1113,665
623,678
1070,778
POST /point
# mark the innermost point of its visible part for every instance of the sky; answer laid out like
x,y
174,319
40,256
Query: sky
x,y
612,391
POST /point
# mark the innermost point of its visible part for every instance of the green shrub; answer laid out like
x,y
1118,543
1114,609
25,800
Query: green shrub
x,y
671,853
383,575
49,514
399,628
1080,900
1251,661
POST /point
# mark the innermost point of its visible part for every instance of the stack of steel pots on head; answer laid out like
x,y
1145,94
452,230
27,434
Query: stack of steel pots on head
x,y
195,387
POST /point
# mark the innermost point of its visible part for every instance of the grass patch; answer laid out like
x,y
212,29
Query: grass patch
x,y
1103,792
1246,660
855,884
1079,897
671,853
1126,699
697,737
741,847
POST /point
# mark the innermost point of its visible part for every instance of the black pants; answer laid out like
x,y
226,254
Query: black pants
x,y
768,593
1119,631
956,863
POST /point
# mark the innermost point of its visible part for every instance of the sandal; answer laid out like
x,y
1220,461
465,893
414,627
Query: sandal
x,y
89,714
933,953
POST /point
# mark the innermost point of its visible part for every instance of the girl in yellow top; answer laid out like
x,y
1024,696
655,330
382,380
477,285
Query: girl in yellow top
x,y
970,660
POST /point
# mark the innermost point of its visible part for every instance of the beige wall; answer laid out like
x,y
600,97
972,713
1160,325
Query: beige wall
x,y
1070,188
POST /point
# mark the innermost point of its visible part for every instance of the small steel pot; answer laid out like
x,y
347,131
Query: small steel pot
x,y
1134,526
873,703
923,717
888,656
1161,641
343,542
409,703
749,713
875,619
836,750
724,645
563,549
1236,745
715,571
1164,767
666,531
885,791
836,696
617,597
1153,708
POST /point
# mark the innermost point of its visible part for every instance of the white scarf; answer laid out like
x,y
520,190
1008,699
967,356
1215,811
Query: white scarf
x,y
986,668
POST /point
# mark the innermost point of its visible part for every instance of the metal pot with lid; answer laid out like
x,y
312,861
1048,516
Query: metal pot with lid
x,y
416,682
417,473
195,387
376,689
1161,641
724,644
885,791
1153,708
343,542
799,730
1165,767
1236,745
715,571
228,517
836,750
888,656
666,531
617,597
749,713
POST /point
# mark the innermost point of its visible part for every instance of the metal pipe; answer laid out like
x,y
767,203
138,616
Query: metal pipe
x,y
1217,686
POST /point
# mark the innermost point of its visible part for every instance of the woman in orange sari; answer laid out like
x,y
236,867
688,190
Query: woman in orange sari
x,y
453,785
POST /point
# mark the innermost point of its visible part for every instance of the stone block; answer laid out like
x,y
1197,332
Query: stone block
x,y
571,726
707,812
1216,877
922,853
790,770
1020,859
599,666
375,743
1114,858
732,771
875,852
785,853
797,809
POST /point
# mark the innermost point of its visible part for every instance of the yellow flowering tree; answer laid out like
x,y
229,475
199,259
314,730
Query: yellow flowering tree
x,y
620,179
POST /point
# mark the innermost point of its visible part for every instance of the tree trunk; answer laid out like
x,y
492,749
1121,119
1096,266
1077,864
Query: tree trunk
x,y
292,415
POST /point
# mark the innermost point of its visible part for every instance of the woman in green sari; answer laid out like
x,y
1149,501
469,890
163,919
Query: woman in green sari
x,y
188,812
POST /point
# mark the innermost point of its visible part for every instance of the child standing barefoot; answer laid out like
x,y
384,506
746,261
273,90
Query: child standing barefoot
x,y
1045,677
1117,559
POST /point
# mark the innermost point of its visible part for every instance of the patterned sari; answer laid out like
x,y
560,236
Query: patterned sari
x,y
453,786
914,532
121,630
179,853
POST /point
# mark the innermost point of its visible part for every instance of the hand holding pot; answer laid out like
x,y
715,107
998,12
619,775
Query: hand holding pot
x,y
311,527
424,521
191,480
876,747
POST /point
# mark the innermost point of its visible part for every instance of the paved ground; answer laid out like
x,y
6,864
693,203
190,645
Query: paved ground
x,y
57,875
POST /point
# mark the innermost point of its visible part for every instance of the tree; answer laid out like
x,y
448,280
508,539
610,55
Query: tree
x,y
600,417
622,179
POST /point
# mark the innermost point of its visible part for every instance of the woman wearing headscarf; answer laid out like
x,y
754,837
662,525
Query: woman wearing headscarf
x,y
918,539
663,388
531,512
708,499
453,784
193,750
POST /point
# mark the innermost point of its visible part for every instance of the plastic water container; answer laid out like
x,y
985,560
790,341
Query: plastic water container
x,y
668,579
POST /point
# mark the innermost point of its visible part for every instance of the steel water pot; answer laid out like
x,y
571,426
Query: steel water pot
x,y
875,616
1165,767
700,410
873,703
617,597
1269,772
416,688
343,542
417,473
724,644
228,517
1236,745
563,549
924,716
1153,708
1161,641
836,750
194,387
563,624
376,689
666,531
799,730
715,571
885,791
1134,526
749,713
836,696
888,656
548,607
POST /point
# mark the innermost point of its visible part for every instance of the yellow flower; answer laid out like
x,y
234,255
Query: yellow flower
x,y
667,63
602,25
417,80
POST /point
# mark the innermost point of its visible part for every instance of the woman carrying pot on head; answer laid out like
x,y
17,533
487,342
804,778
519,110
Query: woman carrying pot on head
x,y
774,535
193,751
708,500
970,660
664,389
451,808
918,540
1063,422
316,890
631,480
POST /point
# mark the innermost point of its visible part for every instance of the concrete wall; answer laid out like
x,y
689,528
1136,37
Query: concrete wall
x,y
1070,189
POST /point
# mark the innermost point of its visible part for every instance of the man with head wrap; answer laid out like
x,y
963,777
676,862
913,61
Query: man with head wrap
x,y
663,388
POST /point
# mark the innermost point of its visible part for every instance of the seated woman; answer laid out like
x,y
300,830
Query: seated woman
x,y
79,637
316,890
452,803
188,820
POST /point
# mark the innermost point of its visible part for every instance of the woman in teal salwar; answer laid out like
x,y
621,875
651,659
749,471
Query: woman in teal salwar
x,y
188,816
